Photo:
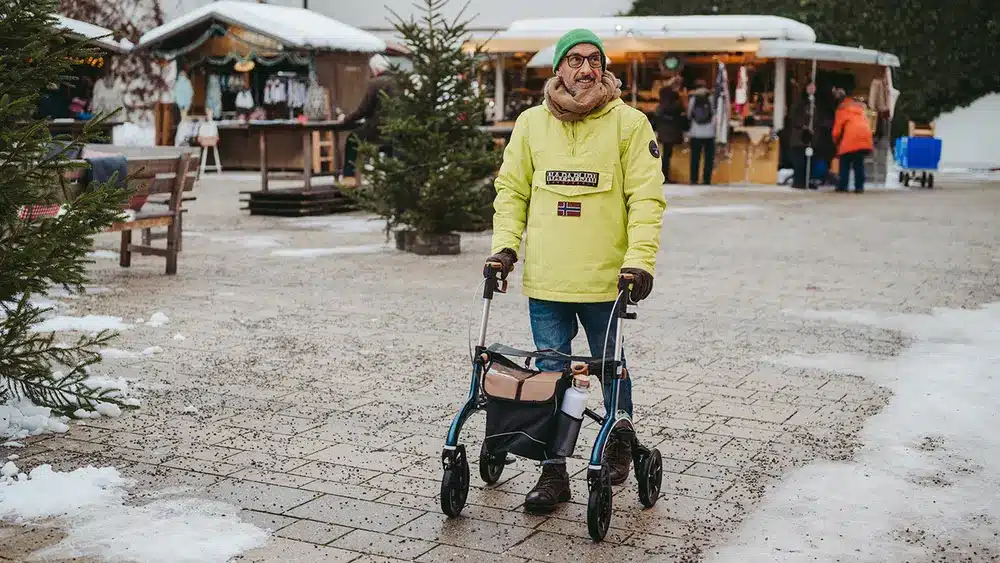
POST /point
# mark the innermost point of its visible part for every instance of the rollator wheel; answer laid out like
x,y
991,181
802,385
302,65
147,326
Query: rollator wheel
x,y
649,474
455,483
599,507
491,467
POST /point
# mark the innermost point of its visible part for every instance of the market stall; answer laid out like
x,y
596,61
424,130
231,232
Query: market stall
x,y
240,63
91,89
749,62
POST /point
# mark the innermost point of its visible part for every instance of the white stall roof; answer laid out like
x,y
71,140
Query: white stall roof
x,y
728,26
295,27
91,31
824,52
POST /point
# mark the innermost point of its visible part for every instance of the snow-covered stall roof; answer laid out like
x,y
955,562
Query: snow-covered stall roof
x,y
825,52
294,27
751,27
101,36
679,33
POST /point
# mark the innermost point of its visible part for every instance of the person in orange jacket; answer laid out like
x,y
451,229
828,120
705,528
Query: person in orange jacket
x,y
854,141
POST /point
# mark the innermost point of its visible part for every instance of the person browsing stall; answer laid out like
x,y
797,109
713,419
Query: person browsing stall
x,y
581,177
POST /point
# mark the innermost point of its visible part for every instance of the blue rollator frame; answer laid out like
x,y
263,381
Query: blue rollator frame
x,y
648,465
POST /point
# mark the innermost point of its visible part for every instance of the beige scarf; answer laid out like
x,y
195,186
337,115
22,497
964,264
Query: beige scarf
x,y
567,107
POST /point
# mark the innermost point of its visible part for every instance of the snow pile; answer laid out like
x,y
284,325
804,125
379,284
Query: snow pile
x,y
927,473
20,418
89,504
316,252
158,319
88,323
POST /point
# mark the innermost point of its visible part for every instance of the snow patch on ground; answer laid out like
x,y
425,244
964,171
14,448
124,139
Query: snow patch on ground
x,y
102,254
90,505
61,293
87,323
337,224
713,209
927,472
316,252
158,319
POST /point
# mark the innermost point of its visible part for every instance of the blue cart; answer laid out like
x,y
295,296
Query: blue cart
x,y
918,159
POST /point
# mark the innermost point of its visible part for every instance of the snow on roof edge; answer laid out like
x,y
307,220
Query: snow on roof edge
x,y
292,26
99,34
748,25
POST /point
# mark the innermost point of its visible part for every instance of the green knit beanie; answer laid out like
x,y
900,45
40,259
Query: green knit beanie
x,y
572,39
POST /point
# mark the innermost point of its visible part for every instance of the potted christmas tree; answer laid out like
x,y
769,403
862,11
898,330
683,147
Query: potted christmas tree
x,y
38,253
431,180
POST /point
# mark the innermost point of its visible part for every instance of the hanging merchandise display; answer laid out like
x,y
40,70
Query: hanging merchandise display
x,y
244,100
213,95
742,91
317,102
275,91
722,105
183,91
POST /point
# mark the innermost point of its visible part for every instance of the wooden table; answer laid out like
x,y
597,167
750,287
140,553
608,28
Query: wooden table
x,y
306,130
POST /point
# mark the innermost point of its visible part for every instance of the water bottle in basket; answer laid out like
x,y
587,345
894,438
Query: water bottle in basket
x,y
570,417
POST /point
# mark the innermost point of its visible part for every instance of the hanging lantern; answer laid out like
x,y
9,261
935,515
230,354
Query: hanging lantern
x,y
244,65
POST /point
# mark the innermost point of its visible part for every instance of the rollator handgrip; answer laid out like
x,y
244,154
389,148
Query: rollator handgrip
x,y
494,283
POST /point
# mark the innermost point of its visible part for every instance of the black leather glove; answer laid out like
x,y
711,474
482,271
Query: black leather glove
x,y
642,283
506,257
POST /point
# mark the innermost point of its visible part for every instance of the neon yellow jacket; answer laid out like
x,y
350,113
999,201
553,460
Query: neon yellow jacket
x,y
587,195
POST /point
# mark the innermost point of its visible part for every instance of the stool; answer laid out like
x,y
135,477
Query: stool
x,y
206,144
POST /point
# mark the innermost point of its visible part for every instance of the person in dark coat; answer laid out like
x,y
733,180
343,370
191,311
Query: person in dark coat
x,y
669,124
370,110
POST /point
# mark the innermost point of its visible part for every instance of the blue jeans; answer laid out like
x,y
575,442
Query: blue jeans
x,y
554,325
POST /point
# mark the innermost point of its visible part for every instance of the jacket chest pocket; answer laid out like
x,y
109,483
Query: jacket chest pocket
x,y
573,181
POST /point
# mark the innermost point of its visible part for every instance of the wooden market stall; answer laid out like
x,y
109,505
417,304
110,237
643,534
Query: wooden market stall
x,y
272,67
758,58
91,90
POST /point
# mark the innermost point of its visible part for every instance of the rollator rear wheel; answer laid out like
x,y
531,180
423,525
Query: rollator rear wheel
x,y
599,507
455,482
491,467
649,474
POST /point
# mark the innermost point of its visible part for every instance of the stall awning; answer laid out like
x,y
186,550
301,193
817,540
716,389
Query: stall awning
x,y
616,45
824,52
293,27
101,36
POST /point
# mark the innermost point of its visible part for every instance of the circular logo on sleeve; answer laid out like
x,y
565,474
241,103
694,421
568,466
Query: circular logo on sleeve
x,y
654,149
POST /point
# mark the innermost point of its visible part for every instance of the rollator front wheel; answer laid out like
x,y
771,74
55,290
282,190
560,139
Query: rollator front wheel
x,y
454,482
599,506
491,467
649,474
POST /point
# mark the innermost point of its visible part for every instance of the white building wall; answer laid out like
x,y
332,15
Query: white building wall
x,y
968,135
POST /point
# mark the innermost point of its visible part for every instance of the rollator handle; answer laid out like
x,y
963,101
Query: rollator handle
x,y
625,285
493,283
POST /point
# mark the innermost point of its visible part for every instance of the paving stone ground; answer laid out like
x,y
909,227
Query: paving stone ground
x,y
324,383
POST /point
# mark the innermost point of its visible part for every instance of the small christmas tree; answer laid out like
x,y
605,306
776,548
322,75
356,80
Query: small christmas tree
x,y
441,162
36,254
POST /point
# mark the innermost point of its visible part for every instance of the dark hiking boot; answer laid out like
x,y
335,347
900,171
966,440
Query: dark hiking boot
x,y
618,458
551,489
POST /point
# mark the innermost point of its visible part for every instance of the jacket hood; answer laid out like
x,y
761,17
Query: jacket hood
x,y
853,108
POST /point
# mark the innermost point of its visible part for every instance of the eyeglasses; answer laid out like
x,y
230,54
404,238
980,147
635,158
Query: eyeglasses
x,y
576,61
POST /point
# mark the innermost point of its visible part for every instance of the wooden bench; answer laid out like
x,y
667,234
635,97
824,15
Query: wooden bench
x,y
169,176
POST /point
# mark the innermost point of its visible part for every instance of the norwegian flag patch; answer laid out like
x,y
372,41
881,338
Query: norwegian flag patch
x,y
568,209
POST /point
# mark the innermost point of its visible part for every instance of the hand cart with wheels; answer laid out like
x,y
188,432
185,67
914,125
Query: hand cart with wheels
x,y
917,158
521,421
